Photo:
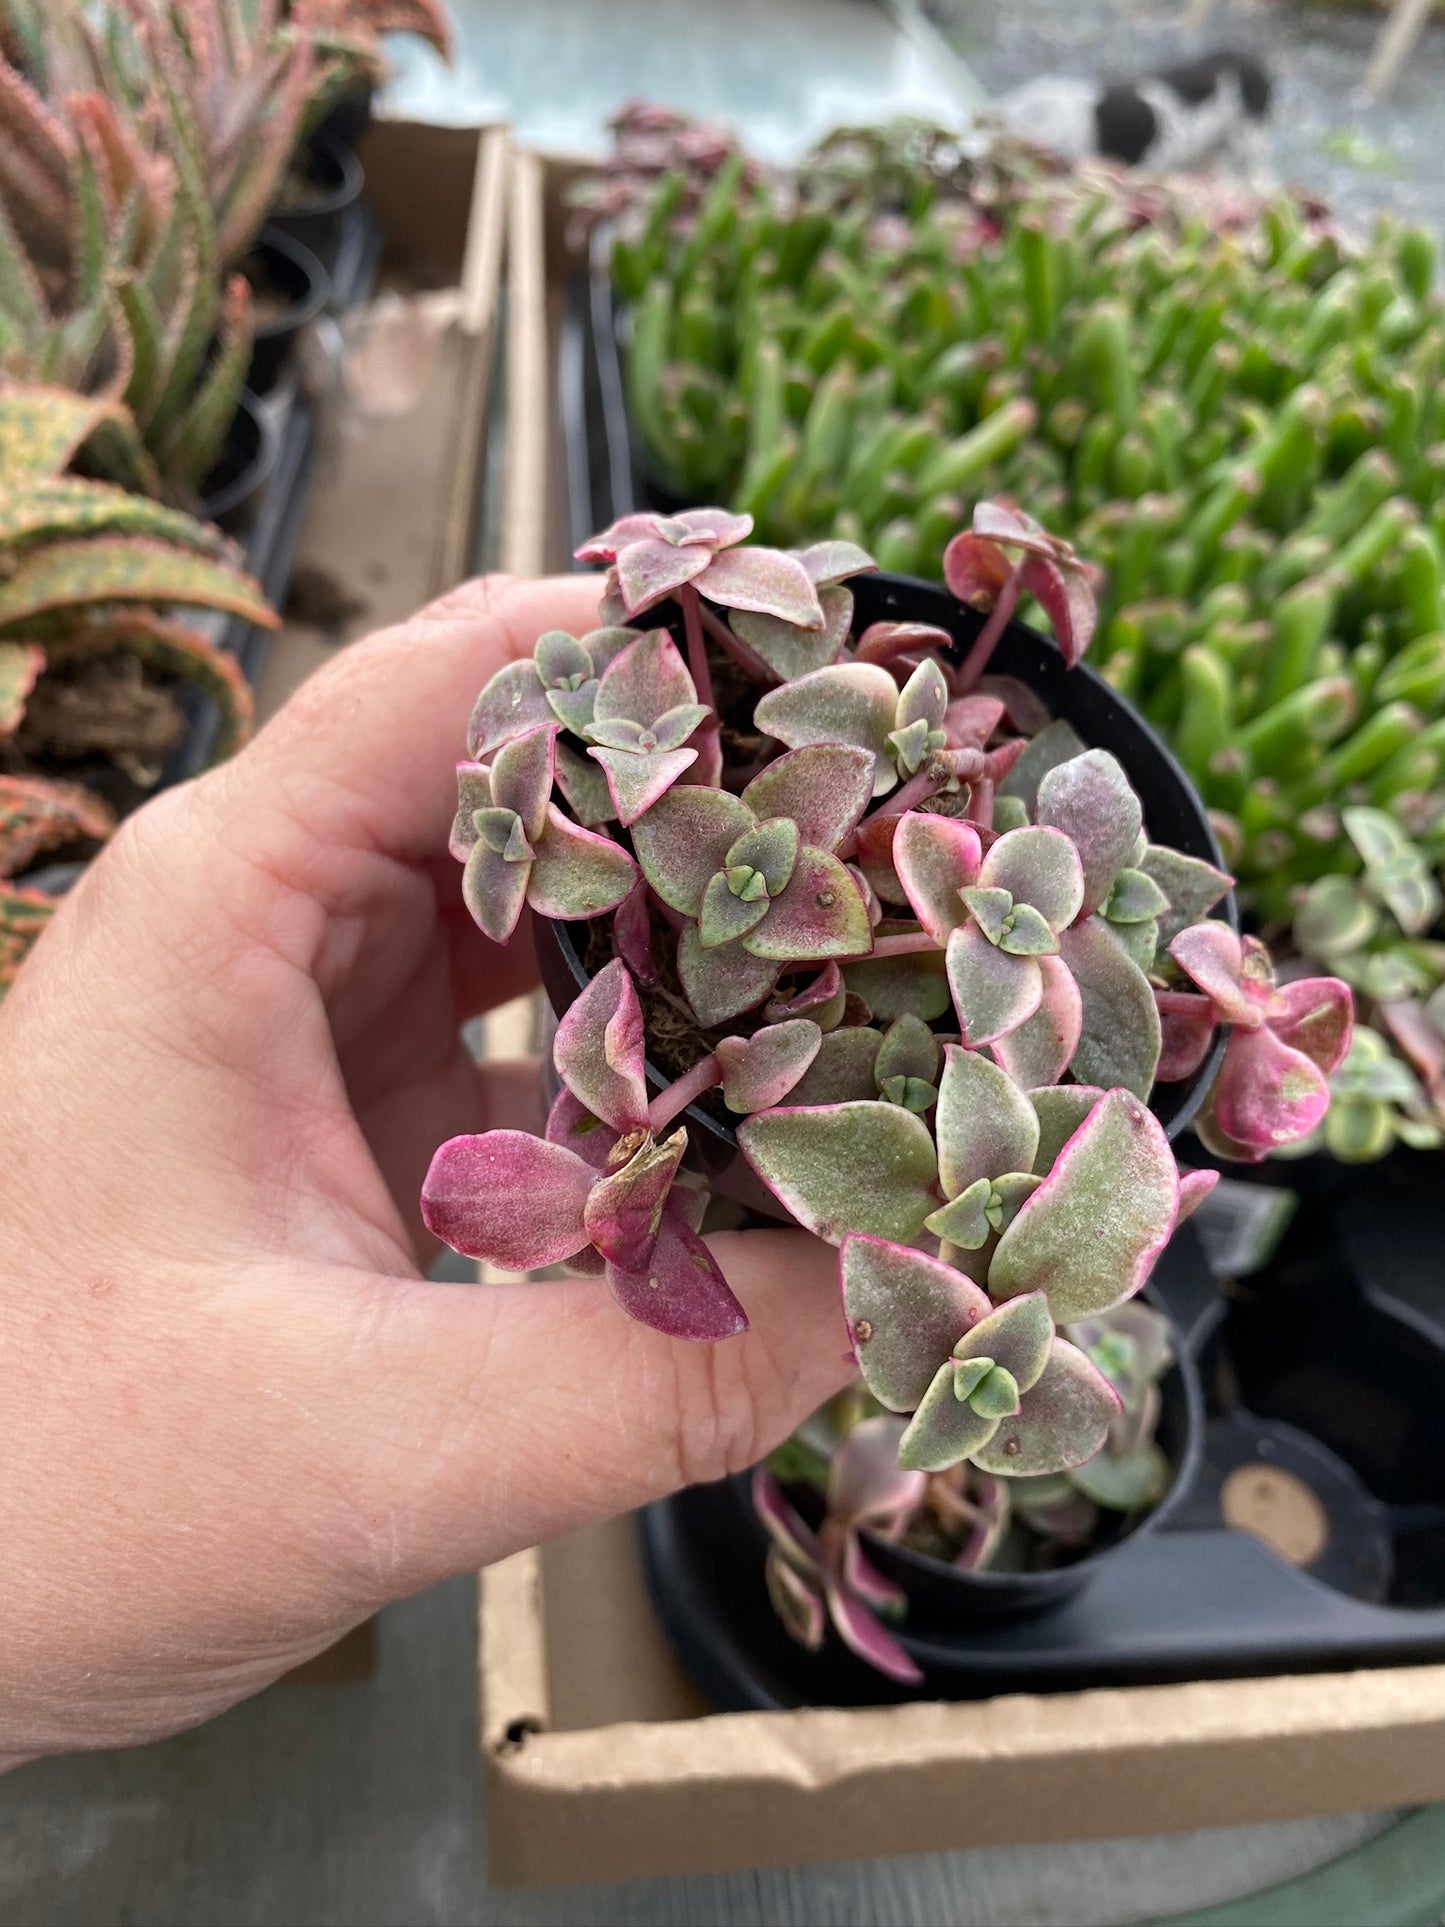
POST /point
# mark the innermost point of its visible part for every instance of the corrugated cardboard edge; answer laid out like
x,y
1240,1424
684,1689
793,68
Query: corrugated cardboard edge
x,y
635,1800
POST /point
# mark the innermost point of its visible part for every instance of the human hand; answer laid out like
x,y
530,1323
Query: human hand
x,y
237,1419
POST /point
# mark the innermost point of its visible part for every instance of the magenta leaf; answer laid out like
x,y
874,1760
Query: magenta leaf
x,y
649,571
1091,801
721,984
1185,1040
794,1539
822,999
810,1159
862,1634
1066,597
984,1123
759,1071
577,873
510,1199
884,642
624,1209
993,992
866,1486
767,580
859,1577
1089,1236
936,858
570,1123
1268,1094
1194,1188
1120,1039
1061,1422
632,935
682,1292
905,1312
1043,1046
975,570
823,787
609,543
683,841
1316,1016
1213,957
599,1050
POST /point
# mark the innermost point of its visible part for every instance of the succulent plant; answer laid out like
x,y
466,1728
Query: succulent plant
x,y
919,970
1226,403
89,571
349,33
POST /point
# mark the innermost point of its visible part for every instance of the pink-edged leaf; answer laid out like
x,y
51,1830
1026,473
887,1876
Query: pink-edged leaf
x,y
865,1484
1186,1037
945,1429
1212,956
892,986
862,1634
993,992
474,792
1192,888
636,782
832,561
632,935
644,680
817,999
823,787
577,873
607,545
852,702
1043,1046
793,1537
984,1123
1316,1016
650,571
971,720
570,1123
682,1292
585,788
1121,1037
937,857
1194,1188
1060,1111
494,891
767,580
822,913
1062,1421
624,1209
512,702
905,1314
603,645
1089,1236
1268,1094
1040,867
884,642
717,528
522,777
811,1160
759,1071
1066,597
844,1068
683,840
859,1576
721,984
600,1050
1017,1336
790,651
797,1602
909,1050
510,1199
975,570
1092,801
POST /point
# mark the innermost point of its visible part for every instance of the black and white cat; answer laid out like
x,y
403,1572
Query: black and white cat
x,y
1212,108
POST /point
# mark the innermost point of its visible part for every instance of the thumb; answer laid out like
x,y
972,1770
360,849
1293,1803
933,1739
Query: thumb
x,y
478,1420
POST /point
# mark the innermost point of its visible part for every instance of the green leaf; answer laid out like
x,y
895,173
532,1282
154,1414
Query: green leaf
x,y
721,984
20,665
683,841
822,913
1120,1040
1056,743
771,849
860,1167
1092,801
727,914
909,1050
894,986
993,992
1016,1336
1026,933
984,1122
577,874
905,1312
791,652
996,1395
1135,898
1038,867
853,702
1191,886
1060,1110
963,1221
844,1069
943,1431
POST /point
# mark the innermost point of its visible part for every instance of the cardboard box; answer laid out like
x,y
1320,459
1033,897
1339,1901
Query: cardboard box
x,y
602,1763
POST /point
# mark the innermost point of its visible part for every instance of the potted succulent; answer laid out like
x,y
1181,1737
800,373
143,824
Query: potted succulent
x,y
840,924
92,660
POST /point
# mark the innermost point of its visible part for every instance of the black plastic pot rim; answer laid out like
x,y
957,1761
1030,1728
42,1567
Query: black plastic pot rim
x,y
277,243
325,147
265,440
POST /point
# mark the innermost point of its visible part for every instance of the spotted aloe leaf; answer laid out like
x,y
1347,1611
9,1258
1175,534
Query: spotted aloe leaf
x,y
1089,1235
852,702
1120,1038
811,1157
985,1125
905,1313
824,788
20,666
1062,1421
38,813
1091,801
123,568
600,1050
937,858
759,1071
507,1198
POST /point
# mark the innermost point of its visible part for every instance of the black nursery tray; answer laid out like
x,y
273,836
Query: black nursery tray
x,y
1326,1431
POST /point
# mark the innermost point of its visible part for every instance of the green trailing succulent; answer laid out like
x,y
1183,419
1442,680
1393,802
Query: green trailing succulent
x,y
930,977
1233,408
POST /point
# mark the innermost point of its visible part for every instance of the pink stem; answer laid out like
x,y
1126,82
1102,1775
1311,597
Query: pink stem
x,y
1181,1003
986,641
692,615
917,789
735,647
908,943
675,1099
980,804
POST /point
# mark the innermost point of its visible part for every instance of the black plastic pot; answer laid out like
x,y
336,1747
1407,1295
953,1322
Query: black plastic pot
x,y
336,180
347,120
230,493
290,275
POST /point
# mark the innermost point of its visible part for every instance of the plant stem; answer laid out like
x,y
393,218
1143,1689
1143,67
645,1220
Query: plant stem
x,y
987,639
907,943
735,647
692,619
668,1104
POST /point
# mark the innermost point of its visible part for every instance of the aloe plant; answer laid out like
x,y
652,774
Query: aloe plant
x,y
89,571
926,968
